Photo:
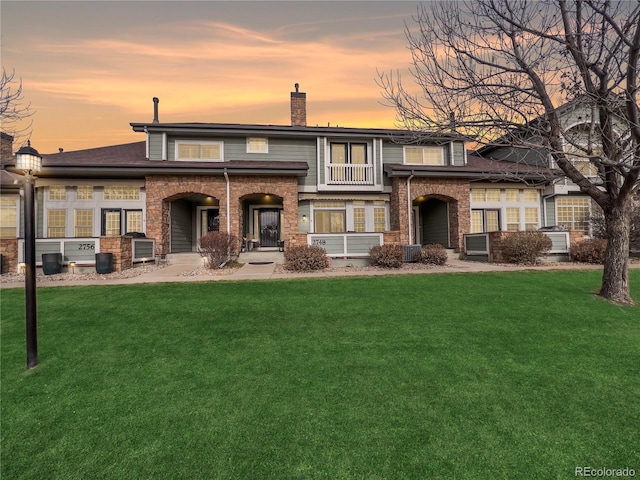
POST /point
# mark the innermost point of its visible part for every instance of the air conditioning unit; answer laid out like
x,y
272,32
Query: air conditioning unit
x,y
412,253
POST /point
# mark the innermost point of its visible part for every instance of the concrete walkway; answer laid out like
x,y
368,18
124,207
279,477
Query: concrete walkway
x,y
179,273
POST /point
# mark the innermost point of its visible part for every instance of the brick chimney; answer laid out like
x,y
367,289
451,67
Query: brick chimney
x,y
6,146
298,108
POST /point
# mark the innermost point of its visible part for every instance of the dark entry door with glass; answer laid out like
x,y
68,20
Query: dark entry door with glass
x,y
269,225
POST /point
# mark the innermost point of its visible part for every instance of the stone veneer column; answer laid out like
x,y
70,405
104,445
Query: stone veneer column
x,y
9,252
161,190
451,190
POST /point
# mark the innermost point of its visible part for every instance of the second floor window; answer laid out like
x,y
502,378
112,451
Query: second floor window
x,y
349,164
257,145
424,155
189,151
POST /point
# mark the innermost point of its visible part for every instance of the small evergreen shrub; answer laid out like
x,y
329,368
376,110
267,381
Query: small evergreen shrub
x,y
217,248
434,254
389,255
306,258
590,250
525,248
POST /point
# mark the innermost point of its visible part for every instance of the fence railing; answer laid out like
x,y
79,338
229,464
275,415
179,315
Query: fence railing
x,y
349,174
346,244
479,243
80,251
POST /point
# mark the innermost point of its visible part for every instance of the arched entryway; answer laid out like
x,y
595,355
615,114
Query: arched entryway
x,y
431,221
190,217
263,220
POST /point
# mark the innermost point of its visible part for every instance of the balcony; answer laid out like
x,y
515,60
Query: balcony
x,y
349,174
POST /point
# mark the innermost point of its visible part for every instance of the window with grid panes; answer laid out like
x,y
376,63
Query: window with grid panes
x,y
257,145
84,192
513,219
379,216
121,192
485,194
512,195
530,218
56,223
57,192
359,217
83,223
8,217
530,195
573,212
133,221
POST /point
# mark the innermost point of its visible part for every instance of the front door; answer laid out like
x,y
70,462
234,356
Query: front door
x,y
269,226
209,221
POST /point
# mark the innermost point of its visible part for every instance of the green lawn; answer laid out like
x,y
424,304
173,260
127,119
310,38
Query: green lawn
x,y
496,376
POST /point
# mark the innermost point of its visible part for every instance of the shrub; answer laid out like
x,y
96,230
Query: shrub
x,y
217,247
390,255
524,248
589,251
306,258
434,254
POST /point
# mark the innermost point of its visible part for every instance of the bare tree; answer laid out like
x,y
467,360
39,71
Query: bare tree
x,y
512,73
13,110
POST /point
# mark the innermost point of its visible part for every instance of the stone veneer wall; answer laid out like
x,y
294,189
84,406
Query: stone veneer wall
x,y
161,190
9,252
451,190
121,248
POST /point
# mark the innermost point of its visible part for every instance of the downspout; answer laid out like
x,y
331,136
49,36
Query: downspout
x,y
226,177
409,212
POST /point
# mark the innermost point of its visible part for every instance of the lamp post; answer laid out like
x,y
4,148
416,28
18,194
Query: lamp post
x,y
29,161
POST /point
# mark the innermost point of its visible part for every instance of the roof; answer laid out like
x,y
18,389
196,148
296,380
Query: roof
x,y
478,168
129,160
288,130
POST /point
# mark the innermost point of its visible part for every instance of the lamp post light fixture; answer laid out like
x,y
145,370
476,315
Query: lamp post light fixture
x,y
29,161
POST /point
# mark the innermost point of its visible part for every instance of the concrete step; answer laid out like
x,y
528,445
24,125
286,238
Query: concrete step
x,y
258,256
188,258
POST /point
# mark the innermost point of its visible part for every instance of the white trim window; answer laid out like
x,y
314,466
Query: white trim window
x,y
121,192
195,151
257,145
573,212
424,155
83,222
57,192
512,209
358,216
56,223
8,216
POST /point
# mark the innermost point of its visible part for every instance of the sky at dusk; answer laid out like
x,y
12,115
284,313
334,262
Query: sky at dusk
x,y
89,68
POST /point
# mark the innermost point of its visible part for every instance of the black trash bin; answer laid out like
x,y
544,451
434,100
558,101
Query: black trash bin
x,y
104,262
51,263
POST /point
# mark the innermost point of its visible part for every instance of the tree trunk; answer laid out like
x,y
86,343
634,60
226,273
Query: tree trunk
x,y
615,276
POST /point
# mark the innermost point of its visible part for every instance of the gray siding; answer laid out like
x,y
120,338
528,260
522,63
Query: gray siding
x,y
550,208
361,244
155,146
392,152
435,223
39,214
181,227
458,154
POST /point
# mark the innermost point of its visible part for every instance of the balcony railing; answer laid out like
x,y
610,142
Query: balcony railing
x,y
349,174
